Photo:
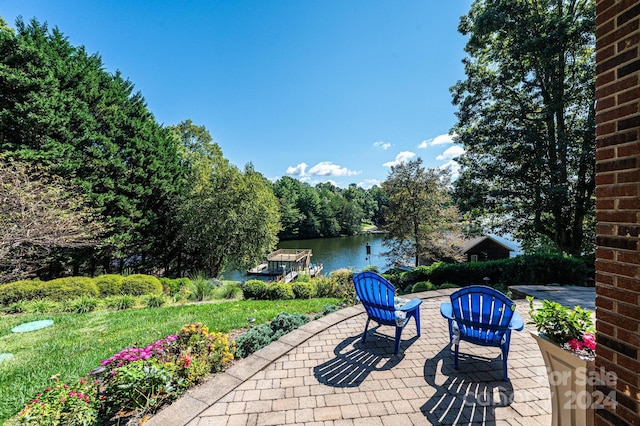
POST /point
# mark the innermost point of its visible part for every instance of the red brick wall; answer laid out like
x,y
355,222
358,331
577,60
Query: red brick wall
x,y
618,205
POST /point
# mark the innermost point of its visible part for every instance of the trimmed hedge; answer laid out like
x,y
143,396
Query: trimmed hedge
x,y
280,291
109,285
305,290
60,289
140,284
525,269
254,289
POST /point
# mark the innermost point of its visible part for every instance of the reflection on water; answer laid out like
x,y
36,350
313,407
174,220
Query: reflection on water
x,y
336,253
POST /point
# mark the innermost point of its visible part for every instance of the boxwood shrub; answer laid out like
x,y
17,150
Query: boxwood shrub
x,y
304,290
60,289
172,286
280,291
109,285
140,284
254,289
422,286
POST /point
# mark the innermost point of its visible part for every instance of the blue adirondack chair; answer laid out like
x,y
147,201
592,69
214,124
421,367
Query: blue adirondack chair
x,y
378,297
484,316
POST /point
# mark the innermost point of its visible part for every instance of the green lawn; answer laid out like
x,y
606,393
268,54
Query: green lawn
x,y
76,343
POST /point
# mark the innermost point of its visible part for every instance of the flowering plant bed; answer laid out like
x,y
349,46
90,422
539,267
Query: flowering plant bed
x,y
134,382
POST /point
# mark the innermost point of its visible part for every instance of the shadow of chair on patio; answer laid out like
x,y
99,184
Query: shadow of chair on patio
x,y
355,360
468,395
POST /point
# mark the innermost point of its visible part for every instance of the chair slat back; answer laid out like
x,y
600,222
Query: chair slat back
x,y
377,295
482,313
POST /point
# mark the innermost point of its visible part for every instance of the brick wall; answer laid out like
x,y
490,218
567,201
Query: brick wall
x,y
618,205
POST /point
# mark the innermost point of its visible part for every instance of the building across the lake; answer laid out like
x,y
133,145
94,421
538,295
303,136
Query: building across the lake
x,y
485,248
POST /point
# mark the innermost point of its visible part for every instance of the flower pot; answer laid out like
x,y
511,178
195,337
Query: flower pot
x,y
570,383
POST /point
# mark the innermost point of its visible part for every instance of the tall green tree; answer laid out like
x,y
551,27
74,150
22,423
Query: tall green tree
x,y
421,221
526,118
61,109
227,218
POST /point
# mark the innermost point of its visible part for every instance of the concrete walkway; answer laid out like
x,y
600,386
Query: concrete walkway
x,y
321,374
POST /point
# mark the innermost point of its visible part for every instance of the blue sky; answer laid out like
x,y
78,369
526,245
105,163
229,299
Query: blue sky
x,y
319,90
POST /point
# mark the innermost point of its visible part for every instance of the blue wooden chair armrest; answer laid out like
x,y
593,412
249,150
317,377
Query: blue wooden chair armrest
x,y
446,310
517,323
413,304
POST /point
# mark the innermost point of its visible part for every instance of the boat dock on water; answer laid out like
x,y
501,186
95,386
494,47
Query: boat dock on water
x,y
287,264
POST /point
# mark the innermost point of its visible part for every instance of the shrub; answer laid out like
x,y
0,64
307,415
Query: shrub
x,y
200,288
62,404
42,306
304,290
230,290
173,286
371,268
16,307
140,284
422,286
82,305
280,291
259,337
326,310
196,341
124,301
448,285
303,278
109,285
254,289
284,322
18,291
155,300
137,385
325,286
526,269
253,340
344,288
60,289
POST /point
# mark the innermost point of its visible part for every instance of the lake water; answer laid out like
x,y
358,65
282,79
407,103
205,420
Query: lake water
x,y
335,253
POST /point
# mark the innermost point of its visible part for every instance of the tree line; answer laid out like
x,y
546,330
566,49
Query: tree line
x,y
90,182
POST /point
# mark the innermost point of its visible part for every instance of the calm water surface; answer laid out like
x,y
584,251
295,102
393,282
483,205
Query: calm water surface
x,y
335,253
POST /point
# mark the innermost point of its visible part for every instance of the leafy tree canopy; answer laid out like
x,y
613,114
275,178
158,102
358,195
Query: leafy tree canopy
x,y
526,119
421,220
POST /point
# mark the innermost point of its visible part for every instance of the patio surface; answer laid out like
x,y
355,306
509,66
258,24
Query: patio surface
x,y
321,374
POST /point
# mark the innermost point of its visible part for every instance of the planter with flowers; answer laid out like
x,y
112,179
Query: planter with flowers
x,y
567,342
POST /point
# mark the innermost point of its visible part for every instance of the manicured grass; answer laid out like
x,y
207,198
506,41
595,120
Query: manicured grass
x,y
76,343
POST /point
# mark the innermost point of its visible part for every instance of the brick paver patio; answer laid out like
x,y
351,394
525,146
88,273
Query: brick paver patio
x,y
321,374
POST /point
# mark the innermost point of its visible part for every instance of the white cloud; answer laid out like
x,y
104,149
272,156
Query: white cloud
x,y
327,168
453,167
382,145
298,170
451,153
368,183
400,158
438,140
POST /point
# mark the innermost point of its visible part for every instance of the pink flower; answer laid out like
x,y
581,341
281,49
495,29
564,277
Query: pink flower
x,y
575,344
589,341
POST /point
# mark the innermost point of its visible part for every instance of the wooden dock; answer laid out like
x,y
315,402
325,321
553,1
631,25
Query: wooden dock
x,y
286,264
